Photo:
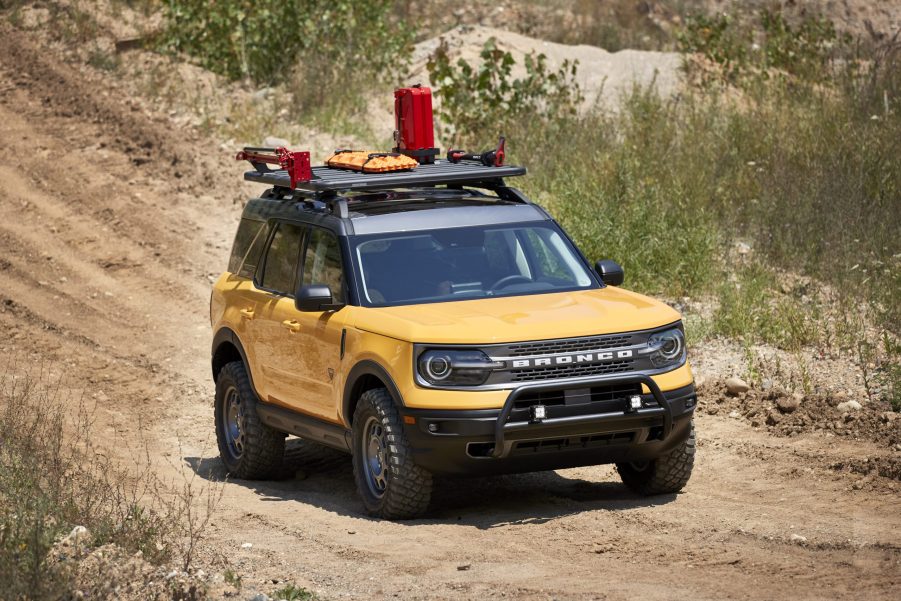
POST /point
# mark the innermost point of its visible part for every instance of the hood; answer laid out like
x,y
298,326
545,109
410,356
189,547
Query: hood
x,y
519,318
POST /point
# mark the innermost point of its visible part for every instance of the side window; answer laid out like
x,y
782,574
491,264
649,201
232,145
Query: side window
x,y
247,231
553,259
248,267
322,263
280,268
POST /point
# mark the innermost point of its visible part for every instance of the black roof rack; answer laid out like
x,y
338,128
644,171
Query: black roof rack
x,y
327,180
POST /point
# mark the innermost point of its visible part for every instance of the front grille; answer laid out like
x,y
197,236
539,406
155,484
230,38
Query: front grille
x,y
569,345
571,371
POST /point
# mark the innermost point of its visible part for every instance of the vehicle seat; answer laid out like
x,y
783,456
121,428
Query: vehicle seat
x,y
388,273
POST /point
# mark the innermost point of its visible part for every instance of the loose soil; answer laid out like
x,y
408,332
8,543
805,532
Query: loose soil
x,y
113,223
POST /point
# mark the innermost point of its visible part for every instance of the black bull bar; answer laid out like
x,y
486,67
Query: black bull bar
x,y
503,424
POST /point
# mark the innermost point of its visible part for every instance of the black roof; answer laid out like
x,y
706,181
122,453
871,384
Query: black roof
x,y
396,210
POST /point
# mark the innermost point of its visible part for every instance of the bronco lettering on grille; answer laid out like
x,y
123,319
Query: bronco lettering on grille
x,y
578,358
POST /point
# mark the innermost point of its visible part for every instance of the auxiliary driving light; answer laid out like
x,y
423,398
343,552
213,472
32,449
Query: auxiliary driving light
x,y
539,412
635,402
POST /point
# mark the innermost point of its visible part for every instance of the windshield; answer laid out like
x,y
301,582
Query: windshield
x,y
466,263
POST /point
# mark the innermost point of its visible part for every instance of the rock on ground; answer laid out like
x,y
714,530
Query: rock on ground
x,y
789,404
735,385
849,406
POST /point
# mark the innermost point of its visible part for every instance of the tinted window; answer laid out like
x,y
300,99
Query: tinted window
x,y
468,262
322,263
248,267
247,231
549,262
280,268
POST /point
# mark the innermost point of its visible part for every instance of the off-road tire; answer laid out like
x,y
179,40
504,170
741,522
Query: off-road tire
x,y
408,486
263,448
667,474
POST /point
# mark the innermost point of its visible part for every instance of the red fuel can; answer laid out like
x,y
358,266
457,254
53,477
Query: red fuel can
x,y
414,129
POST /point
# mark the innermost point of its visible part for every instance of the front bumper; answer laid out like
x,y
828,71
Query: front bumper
x,y
491,441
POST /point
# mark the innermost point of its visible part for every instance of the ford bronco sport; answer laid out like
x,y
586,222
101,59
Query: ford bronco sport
x,y
438,322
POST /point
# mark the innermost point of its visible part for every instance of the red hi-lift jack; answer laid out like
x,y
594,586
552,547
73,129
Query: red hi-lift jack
x,y
296,164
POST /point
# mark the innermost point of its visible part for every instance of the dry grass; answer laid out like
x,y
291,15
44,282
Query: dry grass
x,y
54,475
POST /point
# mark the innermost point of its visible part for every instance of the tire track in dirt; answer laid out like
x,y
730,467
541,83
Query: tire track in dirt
x,y
81,152
103,259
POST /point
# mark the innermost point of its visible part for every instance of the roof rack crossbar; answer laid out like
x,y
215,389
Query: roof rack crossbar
x,y
338,207
325,180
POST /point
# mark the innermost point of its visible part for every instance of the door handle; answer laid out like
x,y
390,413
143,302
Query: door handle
x,y
292,325
248,313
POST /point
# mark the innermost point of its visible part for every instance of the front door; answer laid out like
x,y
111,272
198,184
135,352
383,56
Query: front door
x,y
297,353
321,331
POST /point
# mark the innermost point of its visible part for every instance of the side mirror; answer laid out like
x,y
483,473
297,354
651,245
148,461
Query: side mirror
x,y
315,297
611,272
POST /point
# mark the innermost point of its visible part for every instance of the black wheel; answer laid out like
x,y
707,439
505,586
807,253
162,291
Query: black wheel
x,y
667,474
390,484
249,449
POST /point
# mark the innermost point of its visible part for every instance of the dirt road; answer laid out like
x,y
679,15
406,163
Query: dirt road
x,y
112,223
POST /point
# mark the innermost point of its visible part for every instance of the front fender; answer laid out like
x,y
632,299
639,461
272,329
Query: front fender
x,y
358,379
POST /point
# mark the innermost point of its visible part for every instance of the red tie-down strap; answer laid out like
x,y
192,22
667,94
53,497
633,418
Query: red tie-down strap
x,y
296,164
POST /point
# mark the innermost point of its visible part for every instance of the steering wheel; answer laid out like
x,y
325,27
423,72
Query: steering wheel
x,y
510,279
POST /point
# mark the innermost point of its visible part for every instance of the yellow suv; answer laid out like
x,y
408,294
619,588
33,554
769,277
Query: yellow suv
x,y
438,323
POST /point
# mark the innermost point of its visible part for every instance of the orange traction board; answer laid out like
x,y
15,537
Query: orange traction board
x,y
371,161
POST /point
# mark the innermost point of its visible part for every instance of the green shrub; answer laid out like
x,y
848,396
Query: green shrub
x,y
486,98
264,40
719,41
292,592
764,45
806,50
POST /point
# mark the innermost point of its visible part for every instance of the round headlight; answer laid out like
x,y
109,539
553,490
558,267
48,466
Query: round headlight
x,y
669,347
456,367
438,367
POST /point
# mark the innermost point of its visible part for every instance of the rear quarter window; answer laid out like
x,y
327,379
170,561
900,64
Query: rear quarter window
x,y
247,232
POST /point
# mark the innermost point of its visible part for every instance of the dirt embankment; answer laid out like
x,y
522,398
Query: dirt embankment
x,y
113,221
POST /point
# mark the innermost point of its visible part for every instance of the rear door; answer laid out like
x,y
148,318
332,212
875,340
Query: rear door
x,y
239,293
277,362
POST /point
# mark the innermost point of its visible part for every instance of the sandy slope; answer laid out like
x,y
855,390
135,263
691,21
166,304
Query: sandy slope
x,y
112,222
